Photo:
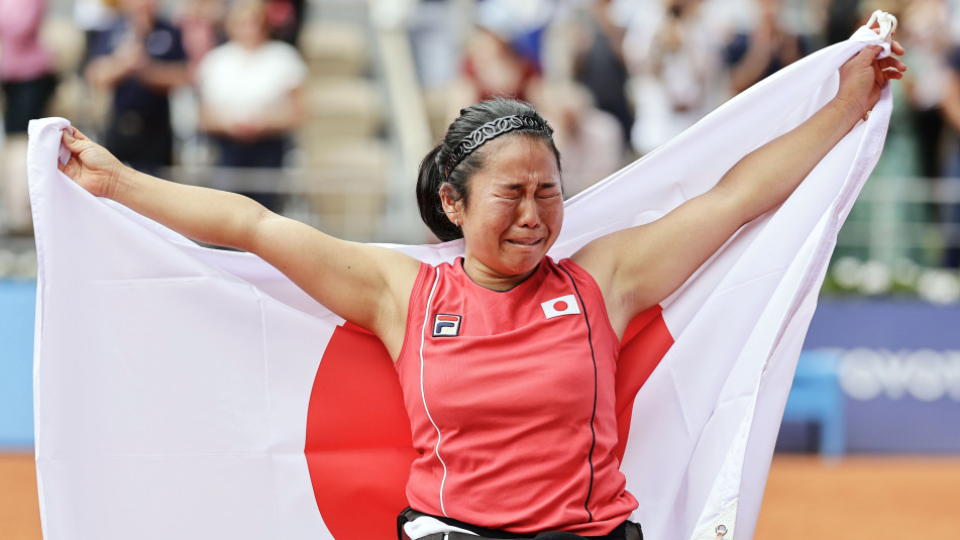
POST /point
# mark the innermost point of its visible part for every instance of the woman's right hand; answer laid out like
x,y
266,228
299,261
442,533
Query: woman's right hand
x,y
90,165
862,77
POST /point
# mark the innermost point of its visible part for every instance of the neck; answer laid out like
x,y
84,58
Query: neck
x,y
490,279
252,44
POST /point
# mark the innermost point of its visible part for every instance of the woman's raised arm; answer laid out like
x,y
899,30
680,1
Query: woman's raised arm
x,y
639,267
366,285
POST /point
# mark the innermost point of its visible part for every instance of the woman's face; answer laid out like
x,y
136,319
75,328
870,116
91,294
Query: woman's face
x,y
514,211
246,27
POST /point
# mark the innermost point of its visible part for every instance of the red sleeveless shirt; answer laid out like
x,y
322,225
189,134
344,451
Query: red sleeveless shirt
x,y
511,402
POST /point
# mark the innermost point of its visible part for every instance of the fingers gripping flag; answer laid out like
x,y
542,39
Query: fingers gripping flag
x,y
183,392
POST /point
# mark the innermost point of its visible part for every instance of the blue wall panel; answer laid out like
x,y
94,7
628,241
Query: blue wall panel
x,y
898,365
17,308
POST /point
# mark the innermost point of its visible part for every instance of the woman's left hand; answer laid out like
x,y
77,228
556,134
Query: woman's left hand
x,y
862,77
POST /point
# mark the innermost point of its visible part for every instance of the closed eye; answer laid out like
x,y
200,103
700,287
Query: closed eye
x,y
511,192
548,191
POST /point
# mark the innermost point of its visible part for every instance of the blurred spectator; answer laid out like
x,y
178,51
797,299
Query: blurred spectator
x,y
28,82
93,17
600,67
501,57
673,57
504,56
590,141
201,25
251,94
843,19
768,48
284,19
924,30
434,29
491,67
140,58
950,212
520,24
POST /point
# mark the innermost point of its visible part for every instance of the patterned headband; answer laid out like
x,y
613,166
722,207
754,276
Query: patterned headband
x,y
489,131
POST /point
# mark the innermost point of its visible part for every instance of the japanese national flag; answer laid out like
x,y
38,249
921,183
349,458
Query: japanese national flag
x,y
565,305
183,392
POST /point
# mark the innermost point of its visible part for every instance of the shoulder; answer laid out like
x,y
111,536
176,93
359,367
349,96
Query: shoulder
x,y
280,51
568,265
228,52
599,258
281,48
591,296
582,278
284,61
446,271
446,278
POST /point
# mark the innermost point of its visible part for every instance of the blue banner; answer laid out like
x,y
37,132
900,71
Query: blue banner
x,y
17,305
897,364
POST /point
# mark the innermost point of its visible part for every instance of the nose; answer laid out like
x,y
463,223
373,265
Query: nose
x,y
529,213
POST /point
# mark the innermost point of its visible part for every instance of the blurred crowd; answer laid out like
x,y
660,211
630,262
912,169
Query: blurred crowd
x,y
618,78
237,58
615,78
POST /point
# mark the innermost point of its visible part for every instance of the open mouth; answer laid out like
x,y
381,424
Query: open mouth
x,y
526,242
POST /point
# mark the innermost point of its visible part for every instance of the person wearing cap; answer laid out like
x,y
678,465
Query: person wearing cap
x,y
506,357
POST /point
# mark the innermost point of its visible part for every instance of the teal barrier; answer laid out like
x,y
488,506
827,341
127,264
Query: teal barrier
x,y
17,308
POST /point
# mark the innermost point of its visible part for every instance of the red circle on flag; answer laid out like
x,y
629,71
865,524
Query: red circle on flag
x,y
358,445
560,306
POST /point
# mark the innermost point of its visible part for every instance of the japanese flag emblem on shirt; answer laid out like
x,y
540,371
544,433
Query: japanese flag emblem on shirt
x,y
565,305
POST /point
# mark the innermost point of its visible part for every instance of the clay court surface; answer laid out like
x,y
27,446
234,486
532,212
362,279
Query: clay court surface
x,y
874,498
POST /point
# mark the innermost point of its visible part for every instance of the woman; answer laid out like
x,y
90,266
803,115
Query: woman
x,y
251,94
27,81
512,435
766,49
139,60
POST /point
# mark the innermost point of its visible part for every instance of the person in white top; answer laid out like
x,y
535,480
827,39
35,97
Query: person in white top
x,y
672,51
251,93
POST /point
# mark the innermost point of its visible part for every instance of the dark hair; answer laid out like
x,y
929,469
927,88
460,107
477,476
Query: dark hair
x,y
442,160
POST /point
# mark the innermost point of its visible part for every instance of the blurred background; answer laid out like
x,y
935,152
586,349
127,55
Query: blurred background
x,y
322,109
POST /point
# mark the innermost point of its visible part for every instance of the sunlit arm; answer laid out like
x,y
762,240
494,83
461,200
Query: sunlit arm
x,y
367,285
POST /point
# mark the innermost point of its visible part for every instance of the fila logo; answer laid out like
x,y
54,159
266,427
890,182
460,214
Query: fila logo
x,y
565,305
446,325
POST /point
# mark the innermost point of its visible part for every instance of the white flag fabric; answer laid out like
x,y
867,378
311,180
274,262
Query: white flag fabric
x,y
184,392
